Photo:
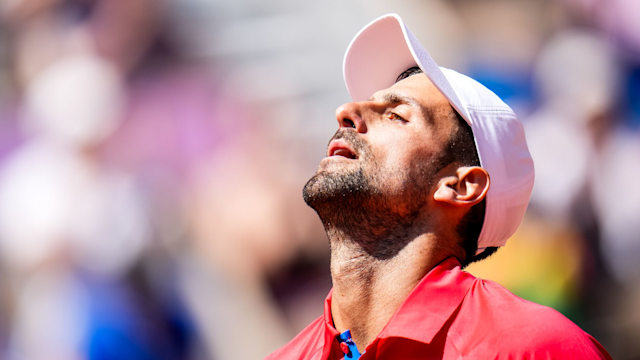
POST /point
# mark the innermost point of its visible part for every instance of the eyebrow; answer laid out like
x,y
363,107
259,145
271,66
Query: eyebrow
x,y
392,98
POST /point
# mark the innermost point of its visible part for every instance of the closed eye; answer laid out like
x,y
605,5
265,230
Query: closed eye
x,y
393,116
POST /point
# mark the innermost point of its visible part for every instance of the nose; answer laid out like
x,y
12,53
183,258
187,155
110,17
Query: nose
x,y
349,115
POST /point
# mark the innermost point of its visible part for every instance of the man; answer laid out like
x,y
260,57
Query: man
x,y
428,171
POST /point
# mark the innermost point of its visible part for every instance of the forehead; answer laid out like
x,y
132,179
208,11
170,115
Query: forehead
x,y
417,88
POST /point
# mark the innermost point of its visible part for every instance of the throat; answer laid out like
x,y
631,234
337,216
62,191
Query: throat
x,y
358,303
368,290
354,273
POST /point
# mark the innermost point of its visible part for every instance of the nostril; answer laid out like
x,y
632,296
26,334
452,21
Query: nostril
x,y
348,123
348,116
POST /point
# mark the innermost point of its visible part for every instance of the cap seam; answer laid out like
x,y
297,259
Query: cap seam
x,y
502,110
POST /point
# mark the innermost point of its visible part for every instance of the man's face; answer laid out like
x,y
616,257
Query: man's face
x,y
384,158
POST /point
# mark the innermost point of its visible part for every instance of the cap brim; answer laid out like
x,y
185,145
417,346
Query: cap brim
x,y
381,51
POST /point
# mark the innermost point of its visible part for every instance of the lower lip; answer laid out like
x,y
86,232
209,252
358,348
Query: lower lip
x,y
335,158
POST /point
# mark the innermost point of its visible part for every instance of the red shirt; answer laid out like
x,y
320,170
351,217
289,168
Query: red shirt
x,y
453,315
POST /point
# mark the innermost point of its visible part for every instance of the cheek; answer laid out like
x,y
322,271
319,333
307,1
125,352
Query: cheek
x,y
401,166
401,153
390,169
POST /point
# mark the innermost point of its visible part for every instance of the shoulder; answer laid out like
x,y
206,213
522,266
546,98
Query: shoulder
x,y
502,320
305,345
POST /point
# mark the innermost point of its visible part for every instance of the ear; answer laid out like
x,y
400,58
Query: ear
x,y
467,187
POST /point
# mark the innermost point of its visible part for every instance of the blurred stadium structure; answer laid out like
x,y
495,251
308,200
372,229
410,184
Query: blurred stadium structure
x,y
152,155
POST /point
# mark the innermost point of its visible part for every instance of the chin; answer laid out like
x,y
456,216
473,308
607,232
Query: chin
x,y
334,187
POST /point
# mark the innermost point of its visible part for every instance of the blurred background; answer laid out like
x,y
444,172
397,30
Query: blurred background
x,y
153,152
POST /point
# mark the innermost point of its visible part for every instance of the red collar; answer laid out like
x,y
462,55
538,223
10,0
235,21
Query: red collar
x,y
426,309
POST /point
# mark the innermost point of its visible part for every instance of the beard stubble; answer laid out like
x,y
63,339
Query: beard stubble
x,y
353,200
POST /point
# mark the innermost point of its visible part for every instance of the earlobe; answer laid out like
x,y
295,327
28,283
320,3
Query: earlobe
x,y
468,187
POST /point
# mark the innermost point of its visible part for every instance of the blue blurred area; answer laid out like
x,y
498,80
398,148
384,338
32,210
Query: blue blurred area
x,y
513,85
125,325
631,98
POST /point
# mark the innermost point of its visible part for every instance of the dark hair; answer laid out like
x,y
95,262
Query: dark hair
x,y
464,151
461,149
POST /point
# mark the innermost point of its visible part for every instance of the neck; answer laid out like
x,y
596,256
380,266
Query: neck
x,y
368,289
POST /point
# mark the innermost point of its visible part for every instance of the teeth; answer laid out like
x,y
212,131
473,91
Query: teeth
x,y
344,152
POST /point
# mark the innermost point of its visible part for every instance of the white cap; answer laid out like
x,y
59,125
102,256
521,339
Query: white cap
x,y
385,48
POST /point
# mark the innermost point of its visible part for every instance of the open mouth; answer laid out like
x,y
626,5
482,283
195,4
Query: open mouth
x,y
341,148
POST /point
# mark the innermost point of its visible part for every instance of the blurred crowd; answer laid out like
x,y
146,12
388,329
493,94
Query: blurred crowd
x,y
153,152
